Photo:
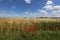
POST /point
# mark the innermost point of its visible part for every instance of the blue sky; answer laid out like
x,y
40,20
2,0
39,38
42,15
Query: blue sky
x,y
29,8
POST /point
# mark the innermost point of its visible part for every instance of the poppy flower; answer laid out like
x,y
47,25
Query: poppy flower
x,y
31,28
27,29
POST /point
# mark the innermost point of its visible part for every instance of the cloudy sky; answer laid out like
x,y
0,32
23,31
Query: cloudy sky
x,y
29,8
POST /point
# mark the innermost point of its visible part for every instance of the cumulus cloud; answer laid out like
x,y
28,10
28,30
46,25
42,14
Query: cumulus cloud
x,y
54,9
49,10
43,13
48,5
40,13
28,1
49,2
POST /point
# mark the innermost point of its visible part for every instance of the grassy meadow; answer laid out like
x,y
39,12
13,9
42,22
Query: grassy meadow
x,y
29,29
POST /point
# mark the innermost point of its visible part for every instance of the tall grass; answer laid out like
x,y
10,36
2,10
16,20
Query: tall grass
x,y
44,31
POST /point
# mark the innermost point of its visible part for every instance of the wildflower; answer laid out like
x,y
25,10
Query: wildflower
x,y
27,29
31,28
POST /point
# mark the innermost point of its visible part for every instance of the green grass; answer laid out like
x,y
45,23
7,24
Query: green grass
x,y
38,35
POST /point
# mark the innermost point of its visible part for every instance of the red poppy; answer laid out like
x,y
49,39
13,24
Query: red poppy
x,y
27,29
31,28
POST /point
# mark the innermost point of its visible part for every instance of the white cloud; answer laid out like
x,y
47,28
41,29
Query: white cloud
x,y
54,9
28,1
49,2
43,13
9,15
48,5
40,13
49,10
55,14
26,12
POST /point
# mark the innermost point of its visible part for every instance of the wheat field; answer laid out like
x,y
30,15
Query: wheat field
x,y
29,29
